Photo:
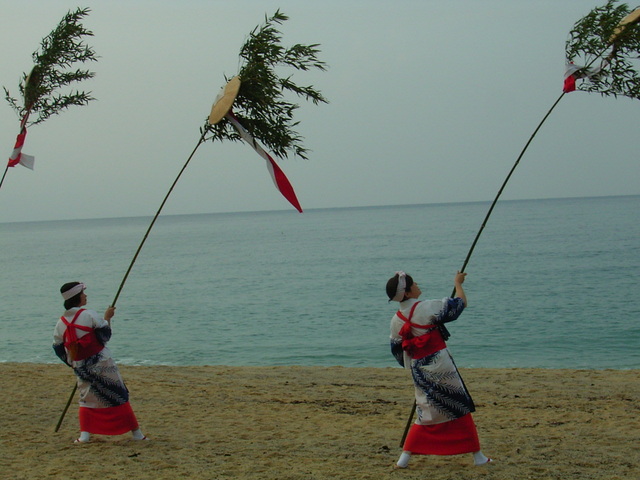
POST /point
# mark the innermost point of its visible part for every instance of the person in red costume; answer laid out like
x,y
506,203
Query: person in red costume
x,y
79,340
444,425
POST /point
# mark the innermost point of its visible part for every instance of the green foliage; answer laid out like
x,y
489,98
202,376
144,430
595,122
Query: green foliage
x,y
261,106
53,69
590,39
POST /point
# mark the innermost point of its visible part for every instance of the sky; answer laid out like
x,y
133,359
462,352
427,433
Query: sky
x,y
430,102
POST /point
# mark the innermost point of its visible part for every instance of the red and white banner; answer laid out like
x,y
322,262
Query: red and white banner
x,y
569,78
574,72
279,178
17,157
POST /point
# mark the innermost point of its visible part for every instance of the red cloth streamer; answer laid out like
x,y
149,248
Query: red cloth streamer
x,y
570,78
279,178
17,157
569,84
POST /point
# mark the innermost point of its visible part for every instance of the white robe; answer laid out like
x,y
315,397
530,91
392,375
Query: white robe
x,y
440,392
100,384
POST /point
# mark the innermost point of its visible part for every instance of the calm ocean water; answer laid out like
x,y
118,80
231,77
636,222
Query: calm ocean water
x,y
552,283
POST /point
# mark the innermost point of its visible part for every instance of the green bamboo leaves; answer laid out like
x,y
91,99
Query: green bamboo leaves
x,y
598,35
54,69
261,105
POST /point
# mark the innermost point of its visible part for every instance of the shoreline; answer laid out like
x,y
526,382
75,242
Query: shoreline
x,y
389,365
320,422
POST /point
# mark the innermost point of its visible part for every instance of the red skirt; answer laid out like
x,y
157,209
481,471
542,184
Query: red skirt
x,y
448,438
108,421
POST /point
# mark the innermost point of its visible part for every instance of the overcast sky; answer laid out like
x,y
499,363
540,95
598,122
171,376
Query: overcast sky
x,y
431,102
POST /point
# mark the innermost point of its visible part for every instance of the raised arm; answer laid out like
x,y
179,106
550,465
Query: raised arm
x,y
109,313
457,282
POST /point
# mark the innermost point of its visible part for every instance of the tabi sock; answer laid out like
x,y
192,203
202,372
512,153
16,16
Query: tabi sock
x,y
137,434
403,461
84,437
479,458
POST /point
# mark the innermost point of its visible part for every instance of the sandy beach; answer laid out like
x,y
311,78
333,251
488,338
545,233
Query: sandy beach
x,y
219,422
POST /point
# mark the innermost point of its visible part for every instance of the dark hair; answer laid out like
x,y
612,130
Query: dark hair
x,y
392,285
73,301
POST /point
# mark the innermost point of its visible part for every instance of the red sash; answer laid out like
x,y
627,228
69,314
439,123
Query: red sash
x,y
80,348
418,347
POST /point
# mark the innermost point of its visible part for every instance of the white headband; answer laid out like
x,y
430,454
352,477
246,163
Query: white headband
x,y
402,285
73,291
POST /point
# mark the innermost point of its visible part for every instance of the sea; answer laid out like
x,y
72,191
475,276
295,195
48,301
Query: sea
x,y
552,283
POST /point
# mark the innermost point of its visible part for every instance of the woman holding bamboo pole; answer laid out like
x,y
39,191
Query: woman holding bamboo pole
x,y
79,340
444,425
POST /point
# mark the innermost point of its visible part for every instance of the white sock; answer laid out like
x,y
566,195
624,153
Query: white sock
x,y
403,461
84,436
137,434
479,458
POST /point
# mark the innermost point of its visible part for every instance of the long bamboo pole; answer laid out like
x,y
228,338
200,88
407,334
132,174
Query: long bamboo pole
x,y
493,204
484,223
135,256
144,239
6,169
66,407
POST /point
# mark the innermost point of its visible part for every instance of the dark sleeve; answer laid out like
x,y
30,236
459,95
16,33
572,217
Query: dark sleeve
x,y
397,352
61,352
453,307
103,334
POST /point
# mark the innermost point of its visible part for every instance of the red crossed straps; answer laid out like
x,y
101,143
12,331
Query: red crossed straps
x,y
70,333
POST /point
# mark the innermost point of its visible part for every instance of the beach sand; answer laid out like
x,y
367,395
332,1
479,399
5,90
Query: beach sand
x,y
219,422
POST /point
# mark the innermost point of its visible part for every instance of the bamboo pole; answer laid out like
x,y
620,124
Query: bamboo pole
x,y
66,407
144,239
484,223
493,204
6,169
135,256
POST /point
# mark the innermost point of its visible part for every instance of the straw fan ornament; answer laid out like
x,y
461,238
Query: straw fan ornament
x,y
252,107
